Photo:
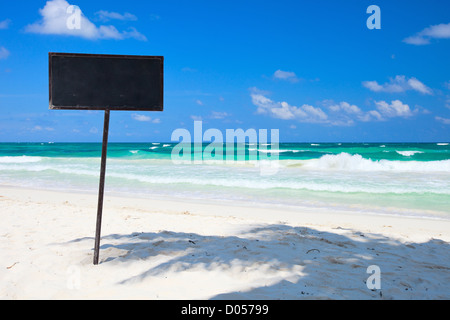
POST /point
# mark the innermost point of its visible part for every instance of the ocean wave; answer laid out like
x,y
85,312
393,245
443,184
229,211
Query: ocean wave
x,y
344,173
22,159
273,151
48,168
348,162
184,182
408,153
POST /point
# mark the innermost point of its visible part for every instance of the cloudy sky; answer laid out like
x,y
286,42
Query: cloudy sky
x,y
312,69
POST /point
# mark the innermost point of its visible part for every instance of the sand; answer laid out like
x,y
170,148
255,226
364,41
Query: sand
x,y
172,249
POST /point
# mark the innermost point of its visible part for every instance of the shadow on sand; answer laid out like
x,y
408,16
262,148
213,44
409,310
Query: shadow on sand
x,y
283,262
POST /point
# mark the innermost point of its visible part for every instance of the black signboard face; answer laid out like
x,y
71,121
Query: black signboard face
x,y
106,82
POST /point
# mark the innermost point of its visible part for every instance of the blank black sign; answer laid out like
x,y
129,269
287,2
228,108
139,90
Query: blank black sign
x,y
106,82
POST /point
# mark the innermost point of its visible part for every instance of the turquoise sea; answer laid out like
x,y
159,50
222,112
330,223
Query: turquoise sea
x,y
400,179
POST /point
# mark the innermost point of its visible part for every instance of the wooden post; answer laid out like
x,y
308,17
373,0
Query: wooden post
x,y
101,188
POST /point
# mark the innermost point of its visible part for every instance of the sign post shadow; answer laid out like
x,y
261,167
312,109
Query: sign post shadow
x,y
105,82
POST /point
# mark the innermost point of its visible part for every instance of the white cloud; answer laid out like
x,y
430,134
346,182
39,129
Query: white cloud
x,y
219,115
284,111
285,75
106,16
346,113
447,85
140,117
395,109
39,128
339,114
443,120
419,86
199,102
144,118
346,107
384,111
196,118
417,40
5,24
4,53
57,14
424,37
267,106
373,86
398,84
372,115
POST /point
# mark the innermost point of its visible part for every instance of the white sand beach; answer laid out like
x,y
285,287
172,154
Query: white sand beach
x,y
173,249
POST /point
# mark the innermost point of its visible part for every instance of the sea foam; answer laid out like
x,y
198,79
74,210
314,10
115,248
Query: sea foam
x,y
348,162
408,153
23,159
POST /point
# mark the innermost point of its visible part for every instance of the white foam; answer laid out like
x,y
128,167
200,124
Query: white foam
x,y
274,151
331,173
408,153
258,183
23,159
348,162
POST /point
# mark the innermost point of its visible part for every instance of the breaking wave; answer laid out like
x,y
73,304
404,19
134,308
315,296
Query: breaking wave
x,y
348,162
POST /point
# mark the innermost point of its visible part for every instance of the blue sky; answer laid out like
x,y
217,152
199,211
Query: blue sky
x,y
312,69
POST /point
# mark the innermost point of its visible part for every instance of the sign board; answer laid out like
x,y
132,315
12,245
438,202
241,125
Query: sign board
x,y
106,82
